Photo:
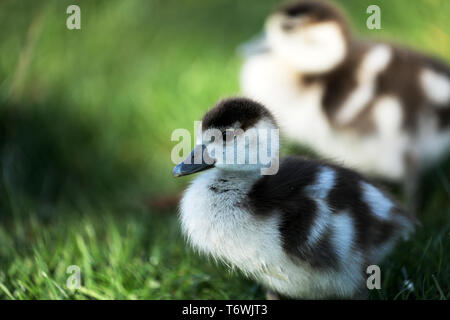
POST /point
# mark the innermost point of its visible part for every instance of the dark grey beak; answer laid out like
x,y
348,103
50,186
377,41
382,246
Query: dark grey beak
x,y
256,45
197,161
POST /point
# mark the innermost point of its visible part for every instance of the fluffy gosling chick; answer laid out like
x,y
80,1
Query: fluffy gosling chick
x,y
381,109
308,231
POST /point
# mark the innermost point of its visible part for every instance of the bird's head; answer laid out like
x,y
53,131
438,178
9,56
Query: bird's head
x,y
238,135
311,36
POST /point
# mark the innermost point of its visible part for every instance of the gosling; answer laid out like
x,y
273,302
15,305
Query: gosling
x,y
349,99
302,228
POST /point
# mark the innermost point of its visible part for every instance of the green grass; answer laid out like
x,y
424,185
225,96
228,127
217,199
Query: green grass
x,y
85,124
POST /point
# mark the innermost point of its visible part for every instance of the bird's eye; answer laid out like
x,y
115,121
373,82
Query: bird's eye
x,y
227,135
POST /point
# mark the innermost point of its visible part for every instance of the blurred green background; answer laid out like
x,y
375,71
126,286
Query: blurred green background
x,y
86,118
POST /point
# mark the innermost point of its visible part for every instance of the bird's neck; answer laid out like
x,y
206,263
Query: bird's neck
x,y
235,180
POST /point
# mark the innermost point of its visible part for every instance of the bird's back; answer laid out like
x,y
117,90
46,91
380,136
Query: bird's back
x,y
329,212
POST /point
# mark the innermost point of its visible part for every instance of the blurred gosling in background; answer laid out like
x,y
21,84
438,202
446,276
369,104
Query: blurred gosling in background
x,y
378,108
